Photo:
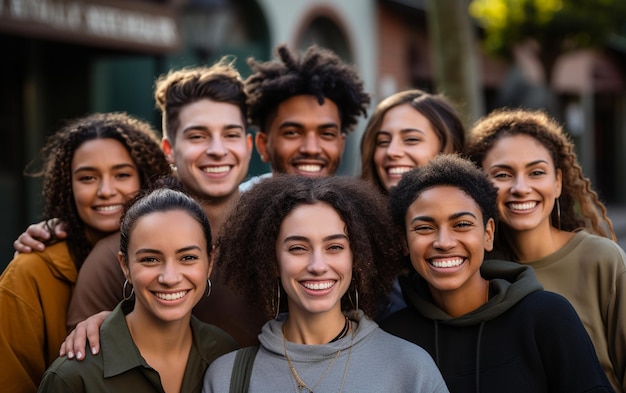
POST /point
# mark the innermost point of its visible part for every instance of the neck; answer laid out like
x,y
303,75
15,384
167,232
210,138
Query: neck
x,y
314,329
464,300
544,241
158,338
217,210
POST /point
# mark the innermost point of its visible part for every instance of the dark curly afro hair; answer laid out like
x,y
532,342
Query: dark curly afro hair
x,y
444,170
318,72
246,251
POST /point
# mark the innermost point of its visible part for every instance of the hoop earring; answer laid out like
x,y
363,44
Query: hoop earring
x,y
277,304
208,287
132,290
558,212
356,296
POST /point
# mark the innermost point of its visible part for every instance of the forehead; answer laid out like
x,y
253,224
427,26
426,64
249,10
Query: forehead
x,y
444,200
306,110
317,218
520,147
103,150
206,112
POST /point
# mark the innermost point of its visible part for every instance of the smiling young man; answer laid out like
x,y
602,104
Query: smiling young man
x,y
303,107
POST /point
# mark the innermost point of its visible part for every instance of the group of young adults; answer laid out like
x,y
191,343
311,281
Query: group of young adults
x,y
307,264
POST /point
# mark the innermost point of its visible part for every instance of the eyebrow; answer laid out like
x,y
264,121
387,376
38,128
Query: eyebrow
x,y
530,164
206,129
300,125
451,217
402,131
91,168
306,239
154,251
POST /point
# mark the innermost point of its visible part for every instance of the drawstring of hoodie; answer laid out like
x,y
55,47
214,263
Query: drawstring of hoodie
x,y
480,336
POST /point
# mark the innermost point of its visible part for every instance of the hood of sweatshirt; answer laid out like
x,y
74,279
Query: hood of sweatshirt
x,y
509,282
272,339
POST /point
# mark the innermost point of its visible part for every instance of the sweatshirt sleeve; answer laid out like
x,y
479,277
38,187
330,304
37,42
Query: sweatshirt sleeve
x,y
568,355
99,284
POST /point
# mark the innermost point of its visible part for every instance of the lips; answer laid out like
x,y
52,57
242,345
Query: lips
x,y
443,263
217,169
318,285
171,295
108,208
398,170
521,206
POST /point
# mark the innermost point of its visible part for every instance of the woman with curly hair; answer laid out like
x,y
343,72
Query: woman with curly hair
x,y
552,220
325,247
407,130
91,167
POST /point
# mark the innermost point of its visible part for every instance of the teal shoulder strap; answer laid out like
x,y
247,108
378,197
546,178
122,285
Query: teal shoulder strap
x,y
242,369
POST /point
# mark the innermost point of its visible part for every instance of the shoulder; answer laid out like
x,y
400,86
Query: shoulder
x,y
384,343
211,340
217,376
546,306
33,266
72,375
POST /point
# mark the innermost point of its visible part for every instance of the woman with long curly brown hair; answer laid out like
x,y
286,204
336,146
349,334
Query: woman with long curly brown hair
x,y
91,168
552,220
326,248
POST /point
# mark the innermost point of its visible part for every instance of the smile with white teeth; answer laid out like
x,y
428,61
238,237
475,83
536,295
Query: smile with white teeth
x,y
170,296
521,206
399,170
216,169
108,208
317,286
443,263
309,168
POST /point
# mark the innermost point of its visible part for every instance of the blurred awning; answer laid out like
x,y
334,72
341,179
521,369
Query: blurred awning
x,y
145,26
587,71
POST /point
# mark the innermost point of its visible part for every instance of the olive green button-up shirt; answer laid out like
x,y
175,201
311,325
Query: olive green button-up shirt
x,y
119,367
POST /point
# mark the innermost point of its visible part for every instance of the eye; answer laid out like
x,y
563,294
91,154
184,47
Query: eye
x,y
189,258
196,136
500,175
423,228
330,134
86,178
464,224
335,248
382,142
234,135
537,172
147,260
290,133
296,249
412,140
124,175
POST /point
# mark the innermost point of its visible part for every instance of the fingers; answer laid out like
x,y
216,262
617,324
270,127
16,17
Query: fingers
x,y
27,241
88,330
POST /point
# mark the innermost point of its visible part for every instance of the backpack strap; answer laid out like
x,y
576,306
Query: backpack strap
x,y
242,369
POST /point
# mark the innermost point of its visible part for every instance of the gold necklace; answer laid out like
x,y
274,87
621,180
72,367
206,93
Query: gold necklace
x,y
300,382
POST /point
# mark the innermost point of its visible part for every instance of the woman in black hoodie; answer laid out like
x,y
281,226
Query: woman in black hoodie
x,y
488,324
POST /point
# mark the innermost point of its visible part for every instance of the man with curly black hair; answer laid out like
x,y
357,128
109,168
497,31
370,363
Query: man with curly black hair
x,y
303,107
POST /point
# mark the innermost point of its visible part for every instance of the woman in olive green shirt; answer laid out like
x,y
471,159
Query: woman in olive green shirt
x,y
151,342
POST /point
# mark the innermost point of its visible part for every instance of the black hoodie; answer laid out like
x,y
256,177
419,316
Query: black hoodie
x,y
523,339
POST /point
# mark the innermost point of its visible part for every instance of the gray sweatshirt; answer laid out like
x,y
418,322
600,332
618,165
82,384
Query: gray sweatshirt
x,y
371,360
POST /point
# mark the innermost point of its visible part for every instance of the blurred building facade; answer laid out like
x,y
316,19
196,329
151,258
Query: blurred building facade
x,y
67,58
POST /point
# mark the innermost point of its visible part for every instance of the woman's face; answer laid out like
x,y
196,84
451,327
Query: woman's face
x,y
314,258
523,171
406,140
104,177
169,277
447,239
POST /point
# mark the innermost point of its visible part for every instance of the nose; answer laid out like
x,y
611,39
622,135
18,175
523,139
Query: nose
x,y
169,274
394,150
520,185
444,240
106,188
317,263
310,145
216,148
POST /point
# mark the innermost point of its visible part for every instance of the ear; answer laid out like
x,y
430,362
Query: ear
x,y
343,142
166,146
559,183
124,266
249,141
261,146
490,230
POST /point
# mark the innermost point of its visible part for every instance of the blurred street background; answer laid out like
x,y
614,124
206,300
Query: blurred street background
x,y
65,58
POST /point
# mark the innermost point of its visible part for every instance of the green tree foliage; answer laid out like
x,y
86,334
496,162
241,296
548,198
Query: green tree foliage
x,y
556,25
